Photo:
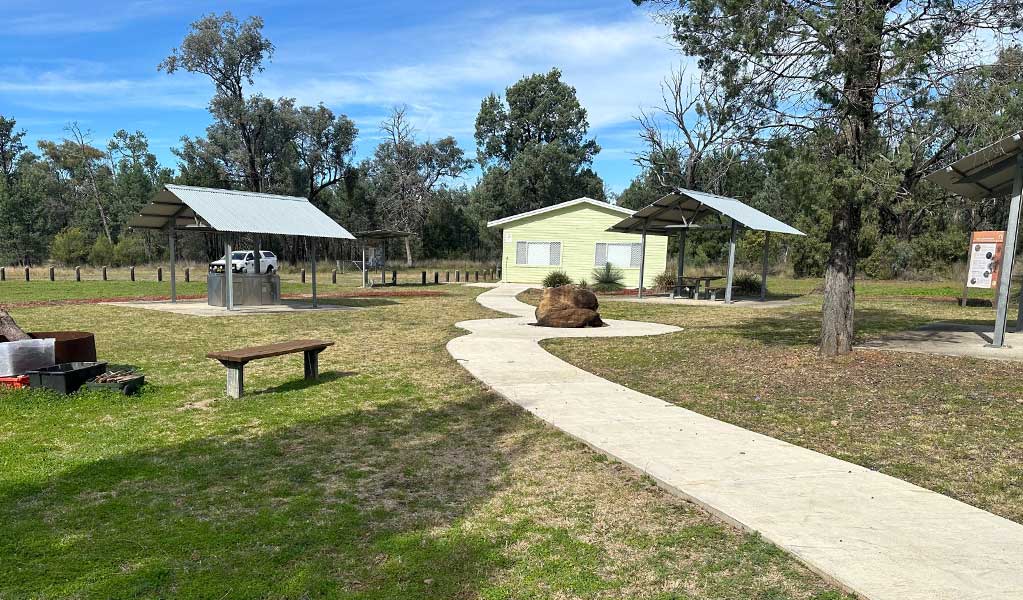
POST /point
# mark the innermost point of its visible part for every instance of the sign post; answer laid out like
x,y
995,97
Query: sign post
x,y
985,261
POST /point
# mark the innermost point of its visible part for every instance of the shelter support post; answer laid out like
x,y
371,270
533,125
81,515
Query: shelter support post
x,y
642,260
259,254
312,261
763,269
171,243
228,277
681,266
1008,254
730,275
365,273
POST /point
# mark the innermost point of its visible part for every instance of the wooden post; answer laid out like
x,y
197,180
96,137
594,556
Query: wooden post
x,y
78,273
188,275
3,274
424,277
447,276
458,276
467,277
51,274
436,277
27,276
159,274
477,275
303,275
104,273
131,273
394,278
235,379
311,364
333,276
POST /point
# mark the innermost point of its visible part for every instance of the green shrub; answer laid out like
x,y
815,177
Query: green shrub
x,y
809,256
102,253
556,279
608,278
889,259
70,247
129,251
665,281
584,284
746,284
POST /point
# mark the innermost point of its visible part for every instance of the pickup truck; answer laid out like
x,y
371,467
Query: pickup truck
x,y
244,261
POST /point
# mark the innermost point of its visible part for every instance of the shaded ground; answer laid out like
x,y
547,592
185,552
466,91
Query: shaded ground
x,y
395,476
953,425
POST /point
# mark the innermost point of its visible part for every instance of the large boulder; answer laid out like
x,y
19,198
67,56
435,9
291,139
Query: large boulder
x,y
568,306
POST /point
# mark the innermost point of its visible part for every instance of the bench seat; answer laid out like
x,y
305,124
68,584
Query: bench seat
x,y
235,360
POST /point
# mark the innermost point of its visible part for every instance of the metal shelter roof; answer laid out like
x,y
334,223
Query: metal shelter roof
x,y
686,207
382,234
207,209
987,173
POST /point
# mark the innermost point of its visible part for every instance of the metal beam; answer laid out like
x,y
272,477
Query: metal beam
x,y
763,271
228,276
312,256
642,258
1008,255
730,276
173,265
977,176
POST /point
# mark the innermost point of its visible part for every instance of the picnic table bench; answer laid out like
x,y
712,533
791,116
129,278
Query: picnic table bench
x,y
235,360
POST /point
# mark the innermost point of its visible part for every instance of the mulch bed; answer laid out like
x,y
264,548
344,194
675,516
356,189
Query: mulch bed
x,y
355,294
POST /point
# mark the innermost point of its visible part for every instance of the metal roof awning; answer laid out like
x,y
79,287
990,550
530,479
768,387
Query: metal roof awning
x,y
382,234
685,208
987,173
188,208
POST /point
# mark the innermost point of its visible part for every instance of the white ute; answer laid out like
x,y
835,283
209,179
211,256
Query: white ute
x,y
244,261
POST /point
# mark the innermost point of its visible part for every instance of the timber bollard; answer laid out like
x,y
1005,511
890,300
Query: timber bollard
x,y
424,277
467,277
3,274
188,275
131,273
394,278
51,274
303,275
104,273
458,276
159,273
333,276
477,275
78,273
436,277
447,276
27,276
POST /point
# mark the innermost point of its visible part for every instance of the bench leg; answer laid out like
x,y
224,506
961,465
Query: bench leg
x,y
235,379
312,364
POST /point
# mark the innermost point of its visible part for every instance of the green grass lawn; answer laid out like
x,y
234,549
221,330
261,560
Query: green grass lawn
x,y
953,425
394,476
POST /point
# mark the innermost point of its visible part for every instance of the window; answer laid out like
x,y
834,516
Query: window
x,y
538,253
267,254
620,254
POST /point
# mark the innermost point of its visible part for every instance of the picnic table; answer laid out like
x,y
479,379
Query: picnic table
x,y
704,279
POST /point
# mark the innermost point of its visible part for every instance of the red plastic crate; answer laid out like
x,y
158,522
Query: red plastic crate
x,y
21,381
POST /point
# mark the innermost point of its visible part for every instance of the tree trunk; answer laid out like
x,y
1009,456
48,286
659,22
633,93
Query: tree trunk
x,y
837,324
408,252
9,329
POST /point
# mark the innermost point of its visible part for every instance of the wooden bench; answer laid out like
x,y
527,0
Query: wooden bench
x,y
235,360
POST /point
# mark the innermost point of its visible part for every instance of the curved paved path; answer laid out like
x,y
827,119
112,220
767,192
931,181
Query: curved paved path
x,y
875,535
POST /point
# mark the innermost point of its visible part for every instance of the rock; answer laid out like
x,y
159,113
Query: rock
x,y
568,306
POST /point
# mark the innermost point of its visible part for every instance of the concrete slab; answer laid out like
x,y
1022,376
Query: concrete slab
x,y
952,339
876,536
199,308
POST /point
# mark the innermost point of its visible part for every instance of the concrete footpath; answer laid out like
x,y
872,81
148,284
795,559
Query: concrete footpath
x,y
874,535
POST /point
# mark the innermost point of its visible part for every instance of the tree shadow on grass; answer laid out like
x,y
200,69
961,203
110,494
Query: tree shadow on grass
x,y
301,383
802,327
363,505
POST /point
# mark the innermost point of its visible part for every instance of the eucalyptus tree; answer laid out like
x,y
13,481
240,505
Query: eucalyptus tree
x,y
11,148
324,145
836,68
407,173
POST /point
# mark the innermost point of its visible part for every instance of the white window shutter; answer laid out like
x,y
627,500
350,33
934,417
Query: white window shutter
x,y
522,253
600,255
637,255
555,253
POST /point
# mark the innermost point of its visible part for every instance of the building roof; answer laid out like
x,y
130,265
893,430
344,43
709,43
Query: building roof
x,y
584,200
684,208
987,173
207,209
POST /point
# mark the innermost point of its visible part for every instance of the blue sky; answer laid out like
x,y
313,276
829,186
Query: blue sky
x,y
95,63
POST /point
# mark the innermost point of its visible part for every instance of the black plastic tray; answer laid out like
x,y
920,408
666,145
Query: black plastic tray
x,y
66,378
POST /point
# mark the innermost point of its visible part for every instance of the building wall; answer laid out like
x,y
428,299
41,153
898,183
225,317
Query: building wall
x,y
579,228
